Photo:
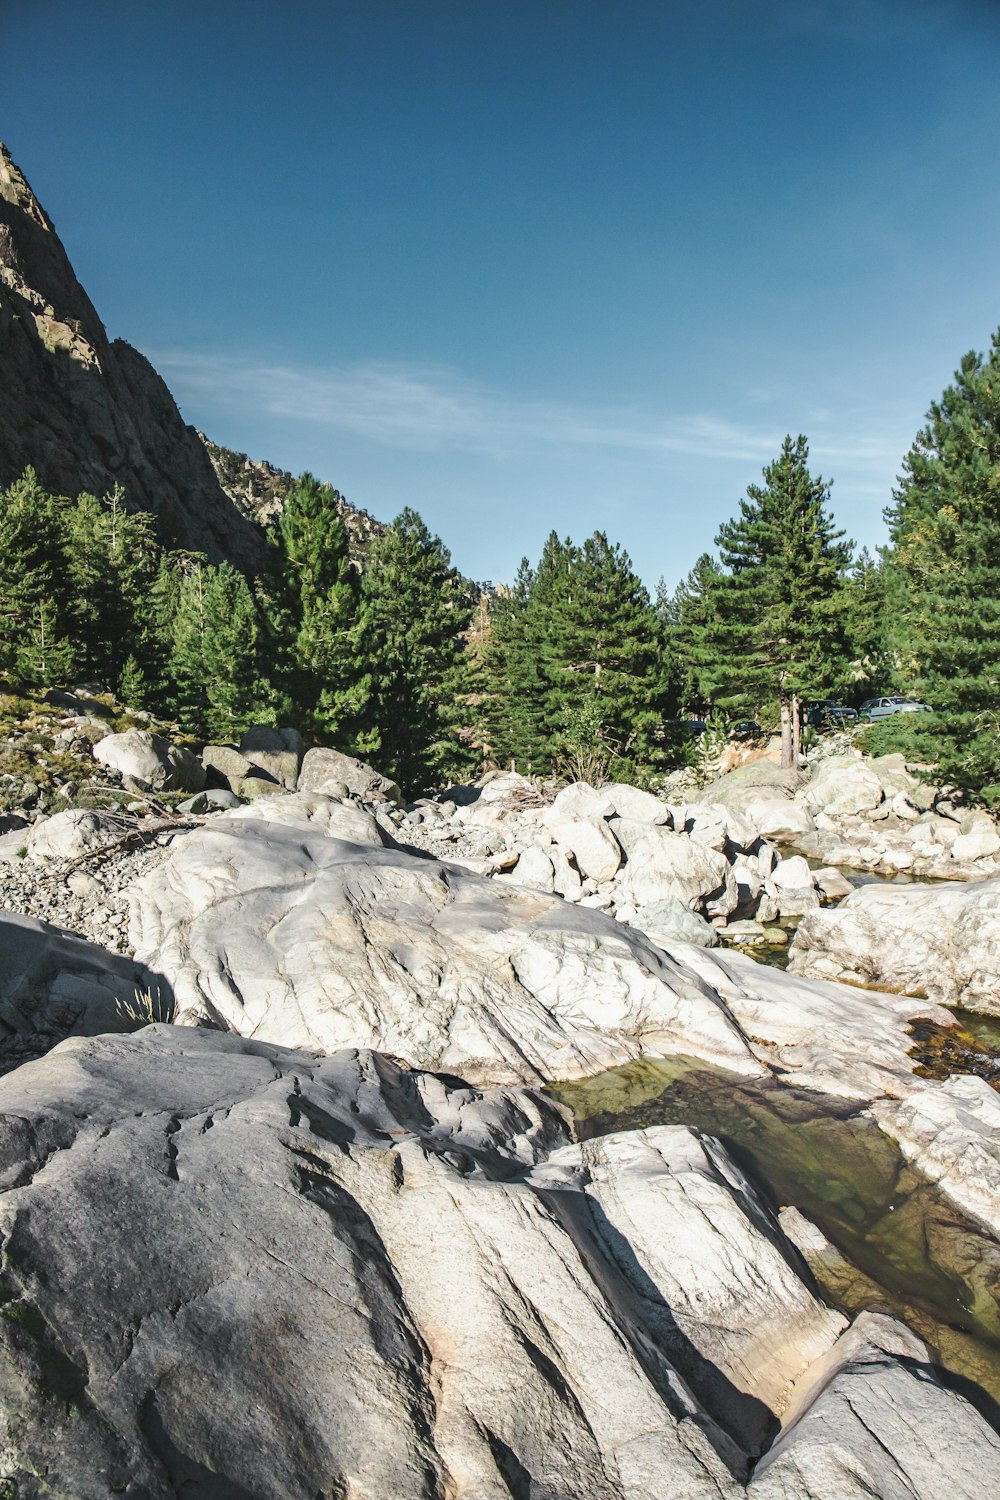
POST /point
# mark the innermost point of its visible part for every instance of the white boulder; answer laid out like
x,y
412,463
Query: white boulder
x,y
279,931
663,864
151,761
74,833
780,819
843,784
592,844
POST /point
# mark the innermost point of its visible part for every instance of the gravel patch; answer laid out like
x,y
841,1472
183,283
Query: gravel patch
x,y
90,899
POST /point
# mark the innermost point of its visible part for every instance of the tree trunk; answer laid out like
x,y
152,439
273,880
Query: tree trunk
x,y
796,731
786,733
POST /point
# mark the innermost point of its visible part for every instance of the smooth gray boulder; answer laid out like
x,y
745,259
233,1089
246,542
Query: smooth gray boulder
x,y
257,785
595,849
669,921
579,800
778,818
534,868
220,797
633,803
664,864
942,941
752,782
151,761
323,769
225,763
327,815
233,1270
874,1424
979,837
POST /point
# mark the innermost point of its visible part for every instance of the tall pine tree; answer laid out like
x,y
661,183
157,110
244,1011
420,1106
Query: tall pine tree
x,y
415,610
110,561
34,602
311,593
213,661
577,670
687,617
774,627
944,572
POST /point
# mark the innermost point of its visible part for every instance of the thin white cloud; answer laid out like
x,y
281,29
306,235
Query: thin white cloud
x,y
424,408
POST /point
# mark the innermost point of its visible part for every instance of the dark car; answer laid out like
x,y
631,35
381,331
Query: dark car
x,y
827,713
746,729
677,730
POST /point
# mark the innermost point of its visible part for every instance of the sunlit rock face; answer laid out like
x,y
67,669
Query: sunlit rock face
x,y
287,932
233,1269
942,941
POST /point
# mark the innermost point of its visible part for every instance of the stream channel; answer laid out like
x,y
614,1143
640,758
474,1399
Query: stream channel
x,y
898,1245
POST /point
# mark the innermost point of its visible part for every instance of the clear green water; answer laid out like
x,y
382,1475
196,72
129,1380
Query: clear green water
x,y
906,1250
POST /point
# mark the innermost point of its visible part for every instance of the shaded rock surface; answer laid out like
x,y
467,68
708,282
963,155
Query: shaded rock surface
x,y
54,985
348,1279
332,772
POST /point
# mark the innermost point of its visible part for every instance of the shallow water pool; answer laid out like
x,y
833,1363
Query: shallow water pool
x,y
905,1249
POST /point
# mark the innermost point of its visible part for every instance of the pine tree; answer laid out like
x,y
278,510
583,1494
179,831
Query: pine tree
x,y
33,595
774,624
944,571
612,670
415,610
688,617
110,561
213,662
523,665
867,625
312,595
578,668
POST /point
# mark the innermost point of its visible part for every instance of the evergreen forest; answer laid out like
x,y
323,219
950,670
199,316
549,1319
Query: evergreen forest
x,y
573,667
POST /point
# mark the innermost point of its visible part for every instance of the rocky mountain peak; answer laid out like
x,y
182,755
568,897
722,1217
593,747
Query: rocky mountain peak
x,y
36,270
88,413
14,189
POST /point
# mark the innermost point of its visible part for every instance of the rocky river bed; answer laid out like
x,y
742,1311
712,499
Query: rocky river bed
x,y
340,1206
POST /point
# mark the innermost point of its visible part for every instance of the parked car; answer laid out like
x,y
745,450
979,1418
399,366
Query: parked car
x,y
823,713
683,729
882,708
746,729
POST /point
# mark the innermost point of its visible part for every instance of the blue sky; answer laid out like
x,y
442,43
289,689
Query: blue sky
x,y
531,264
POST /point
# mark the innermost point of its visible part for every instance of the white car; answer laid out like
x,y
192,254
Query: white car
x,y
881,708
